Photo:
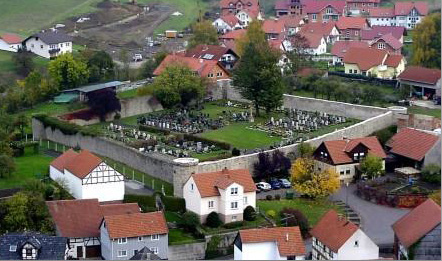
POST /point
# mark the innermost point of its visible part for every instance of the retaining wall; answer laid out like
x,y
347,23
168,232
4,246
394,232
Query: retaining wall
x,y
187,252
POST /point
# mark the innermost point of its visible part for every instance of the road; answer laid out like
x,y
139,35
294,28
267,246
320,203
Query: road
x,y
376,219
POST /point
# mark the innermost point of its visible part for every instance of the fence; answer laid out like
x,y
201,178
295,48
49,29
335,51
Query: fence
x,y
128,172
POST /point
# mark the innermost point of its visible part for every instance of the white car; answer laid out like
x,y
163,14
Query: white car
x,y
264,186
137,57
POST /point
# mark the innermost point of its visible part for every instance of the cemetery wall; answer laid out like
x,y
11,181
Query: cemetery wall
x,y
349,110
225,90
139,105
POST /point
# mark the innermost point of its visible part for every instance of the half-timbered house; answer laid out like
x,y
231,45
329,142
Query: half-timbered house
x,y
87,176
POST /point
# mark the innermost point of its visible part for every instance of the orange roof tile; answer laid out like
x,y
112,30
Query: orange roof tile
x,y
404,8
288,239
318,28
381,12
61,161
365,58
412,143
420,74
340,48
313,39
208,183
389,39
136,224
82,164
233,35
333,231
272,26
347,22
230,19
393,60
418,222
11,38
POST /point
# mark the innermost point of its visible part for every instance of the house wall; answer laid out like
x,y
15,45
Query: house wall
x,y
73,183
260,251
227,213
350,68
106,189
366,250
221,26
382,21
387,47
42,49
9,47
132,244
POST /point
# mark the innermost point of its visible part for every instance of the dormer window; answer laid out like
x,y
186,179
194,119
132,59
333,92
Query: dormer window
x,y
381,46
12,248
233,191
355,156
29,253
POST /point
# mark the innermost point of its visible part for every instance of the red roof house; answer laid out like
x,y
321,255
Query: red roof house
x,y
404,8
10,42
226,56
387,42
340,48
377,31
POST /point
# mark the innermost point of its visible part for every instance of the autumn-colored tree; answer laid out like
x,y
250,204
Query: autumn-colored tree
x,y
203,33
426,42
313,184
67,72
254,35
372,166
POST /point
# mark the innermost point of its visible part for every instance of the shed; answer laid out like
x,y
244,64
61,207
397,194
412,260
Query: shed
x,y
81,92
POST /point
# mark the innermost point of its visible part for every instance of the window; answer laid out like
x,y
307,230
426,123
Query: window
x,y
350,71
219,74
122,253
155,237
234,218
210,75
234,205
233,191
341,172
12,248
41,46
356,32
61,45
29,252
356,243
381,46
122,240
347,171
361,155
314,17
329,10
191,186
154,250
355,156
355,71
245,200
140,238
211,204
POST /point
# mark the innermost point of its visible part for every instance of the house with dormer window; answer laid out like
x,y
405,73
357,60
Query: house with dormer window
x,y
226,192
344,156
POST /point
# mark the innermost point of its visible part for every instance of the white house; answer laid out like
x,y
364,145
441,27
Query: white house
x,y
10,42
49,44
336,238
315,43
87,176
406,14
227,192
227,23
276,243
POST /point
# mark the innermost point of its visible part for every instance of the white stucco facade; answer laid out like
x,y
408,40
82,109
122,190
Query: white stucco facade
x,y
40,48
260,251
9,47
320,49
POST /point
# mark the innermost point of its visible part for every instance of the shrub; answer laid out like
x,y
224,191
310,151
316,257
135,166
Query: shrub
x,y
213,220
190,221
431,173
152,129
271,213
174,204
65,127
235,224
296,218
249,213
277,197
144,201
236,152
269,197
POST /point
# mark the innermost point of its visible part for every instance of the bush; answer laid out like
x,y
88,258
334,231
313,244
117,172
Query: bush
x,y
65,127
385,134
297,218
277,197
269,197
249,213
431,174
236,152
174,204
271,213
213,220
190,221
219,144
152,129
235,224
145,202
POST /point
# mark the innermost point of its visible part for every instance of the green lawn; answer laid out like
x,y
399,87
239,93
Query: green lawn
x,y
178,236
312,209
127,94
28,167
421,110
7,65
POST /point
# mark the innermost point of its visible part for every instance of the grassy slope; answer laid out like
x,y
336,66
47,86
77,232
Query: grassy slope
x,y
7,65
425,111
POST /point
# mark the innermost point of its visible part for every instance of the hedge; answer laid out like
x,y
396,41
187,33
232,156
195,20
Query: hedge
x,y
220,144
65,127
147,203
153,129
174,204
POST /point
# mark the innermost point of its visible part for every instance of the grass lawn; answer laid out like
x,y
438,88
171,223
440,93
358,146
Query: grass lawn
x,y
28,167
312,209
7,65
259,222
127,94
178,236
421,110
172,216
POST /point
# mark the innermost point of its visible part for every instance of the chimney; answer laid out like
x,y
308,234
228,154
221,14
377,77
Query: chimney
x,y
201,61
205,48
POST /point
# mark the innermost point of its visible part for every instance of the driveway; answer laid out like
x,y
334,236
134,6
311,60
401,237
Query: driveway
x,y
376,219
263,194
136,188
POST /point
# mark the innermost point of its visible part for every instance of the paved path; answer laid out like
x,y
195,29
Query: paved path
x,y
376,219
136,188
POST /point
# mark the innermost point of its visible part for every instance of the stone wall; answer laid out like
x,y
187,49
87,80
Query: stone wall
x,y
187,252
360,112
419,121
225,90
139,105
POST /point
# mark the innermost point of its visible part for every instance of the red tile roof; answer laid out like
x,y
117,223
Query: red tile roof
x,y
201,66
233,35
79,164
365,58
288,239
313,40
418,222
377,31
314,6
333,230
404,8
11,38
420,74
272,26
390,40
82,217
282,5
251,7
381,12
340,48
393,60
136,224
347,22
291,21
412,143
200,50
230,19
324,29
208,183
339,149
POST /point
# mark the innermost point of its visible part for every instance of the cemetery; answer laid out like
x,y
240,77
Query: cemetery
x,y
211,130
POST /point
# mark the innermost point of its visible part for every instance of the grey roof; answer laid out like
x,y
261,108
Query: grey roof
x,y
429,247
49,247
52,37
95,87
145,254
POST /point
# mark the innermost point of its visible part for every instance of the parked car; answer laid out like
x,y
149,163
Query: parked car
x,y
275,184
263,186
137,57
285,183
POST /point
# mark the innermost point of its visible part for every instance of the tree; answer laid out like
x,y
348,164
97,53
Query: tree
x,y
103,102
68,72
213,220
426,42
177,85
371,166
431,173
31,86
190,221
262,169
7,165
370,94
313,184
147,68
203,33
249,213
258,77
23,62
101,67
294,217
280,164
305,150
298,56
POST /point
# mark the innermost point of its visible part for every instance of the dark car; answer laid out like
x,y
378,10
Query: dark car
x,y
275,184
